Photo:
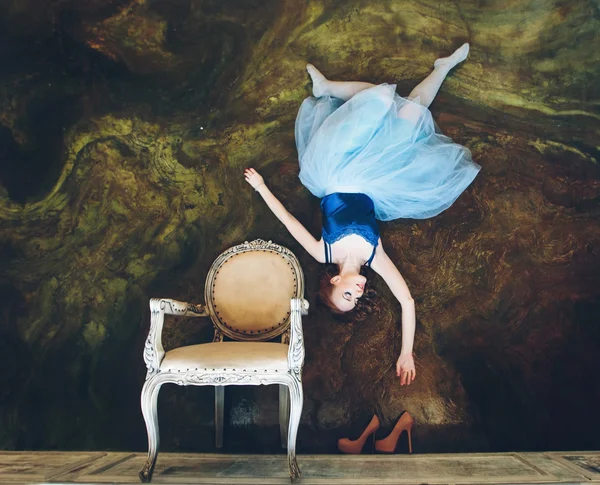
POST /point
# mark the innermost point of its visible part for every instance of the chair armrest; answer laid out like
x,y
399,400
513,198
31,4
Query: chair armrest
x,y
296,347
153,349
181,308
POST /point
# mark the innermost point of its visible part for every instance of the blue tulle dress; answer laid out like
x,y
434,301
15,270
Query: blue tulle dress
x,y
382,145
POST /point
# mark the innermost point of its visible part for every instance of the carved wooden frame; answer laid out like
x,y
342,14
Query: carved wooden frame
x,y
155,378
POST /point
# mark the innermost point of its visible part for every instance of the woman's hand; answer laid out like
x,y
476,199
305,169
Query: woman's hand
x,y
253,178
405,369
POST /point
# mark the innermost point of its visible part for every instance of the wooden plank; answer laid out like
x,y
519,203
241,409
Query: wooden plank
x,y
585,462
550,464
326,469
39,467
106,464
178,468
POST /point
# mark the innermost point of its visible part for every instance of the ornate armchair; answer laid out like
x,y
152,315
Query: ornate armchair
x,y
253,292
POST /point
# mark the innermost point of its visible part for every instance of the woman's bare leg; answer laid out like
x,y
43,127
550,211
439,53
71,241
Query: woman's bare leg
x,y
430,86
425,91
338,89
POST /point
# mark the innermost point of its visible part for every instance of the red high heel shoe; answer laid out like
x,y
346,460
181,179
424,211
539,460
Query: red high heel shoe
x,y
354,447
388,444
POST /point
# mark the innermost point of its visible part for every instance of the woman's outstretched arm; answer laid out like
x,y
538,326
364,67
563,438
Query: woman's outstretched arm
x,y
385,267
297,230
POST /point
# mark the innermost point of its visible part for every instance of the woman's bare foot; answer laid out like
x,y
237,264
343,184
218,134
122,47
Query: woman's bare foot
x,y
319,81
457,57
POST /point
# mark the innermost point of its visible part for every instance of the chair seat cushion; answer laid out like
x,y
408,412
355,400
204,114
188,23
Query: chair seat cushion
x,y
239,356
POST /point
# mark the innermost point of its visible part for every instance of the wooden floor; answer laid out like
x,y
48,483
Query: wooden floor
x,y
494,468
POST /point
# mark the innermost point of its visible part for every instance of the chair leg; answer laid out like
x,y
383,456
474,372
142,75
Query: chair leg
x,y
284,413
219,406
296,403
150,412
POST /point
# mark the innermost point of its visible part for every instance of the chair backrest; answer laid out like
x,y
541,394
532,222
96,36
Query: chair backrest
x,y
249,287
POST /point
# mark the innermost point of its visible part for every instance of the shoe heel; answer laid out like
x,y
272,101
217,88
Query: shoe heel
x,y
346,445
389,443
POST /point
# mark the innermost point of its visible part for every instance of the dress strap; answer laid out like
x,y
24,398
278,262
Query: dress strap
x,y
370,260
328,258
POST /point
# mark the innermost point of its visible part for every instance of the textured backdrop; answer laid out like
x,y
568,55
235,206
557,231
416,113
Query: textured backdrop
x,y
124,130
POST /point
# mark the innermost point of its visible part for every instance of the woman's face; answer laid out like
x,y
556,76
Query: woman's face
x,y
347,290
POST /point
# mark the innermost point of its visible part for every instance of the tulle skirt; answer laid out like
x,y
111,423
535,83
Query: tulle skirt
x,y
382,145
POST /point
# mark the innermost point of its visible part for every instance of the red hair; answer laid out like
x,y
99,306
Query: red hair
x,y
366,303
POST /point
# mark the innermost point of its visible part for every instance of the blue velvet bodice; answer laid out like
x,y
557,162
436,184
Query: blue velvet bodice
x,y
345,214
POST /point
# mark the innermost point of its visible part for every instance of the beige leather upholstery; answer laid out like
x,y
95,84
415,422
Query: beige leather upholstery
x,y
251,292
239,356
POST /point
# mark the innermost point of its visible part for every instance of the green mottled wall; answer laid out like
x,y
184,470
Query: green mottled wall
x,y
124,129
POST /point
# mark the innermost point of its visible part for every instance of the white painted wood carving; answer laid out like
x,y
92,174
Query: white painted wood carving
x,y
249,313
